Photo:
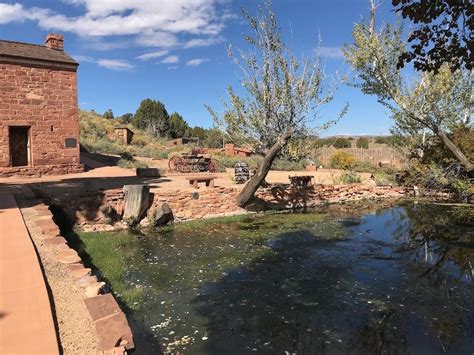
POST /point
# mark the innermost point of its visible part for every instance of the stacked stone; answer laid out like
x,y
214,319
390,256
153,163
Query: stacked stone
x,y
241,173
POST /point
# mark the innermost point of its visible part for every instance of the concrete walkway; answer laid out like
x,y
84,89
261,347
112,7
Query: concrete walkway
x,y
26,321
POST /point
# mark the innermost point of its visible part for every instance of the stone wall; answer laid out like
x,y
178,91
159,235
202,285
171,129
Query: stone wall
x,y
46,101
110,323
91,211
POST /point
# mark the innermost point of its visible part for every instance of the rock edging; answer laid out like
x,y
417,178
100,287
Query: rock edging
x,y
110,324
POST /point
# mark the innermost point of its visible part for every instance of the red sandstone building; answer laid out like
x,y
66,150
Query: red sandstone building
x,y
39,125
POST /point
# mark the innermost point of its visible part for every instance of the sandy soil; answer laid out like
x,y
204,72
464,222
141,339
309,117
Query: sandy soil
x,y
110,177
76,331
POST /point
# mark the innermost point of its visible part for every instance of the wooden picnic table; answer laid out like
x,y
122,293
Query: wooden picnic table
x,y
196,179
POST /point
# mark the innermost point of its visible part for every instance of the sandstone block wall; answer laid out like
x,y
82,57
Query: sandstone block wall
x,y
46,101
87,209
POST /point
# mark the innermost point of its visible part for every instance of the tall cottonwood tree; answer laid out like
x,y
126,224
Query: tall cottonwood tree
x,y
281,99
428,101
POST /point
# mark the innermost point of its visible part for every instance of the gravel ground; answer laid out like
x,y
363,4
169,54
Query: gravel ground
x,y
76,332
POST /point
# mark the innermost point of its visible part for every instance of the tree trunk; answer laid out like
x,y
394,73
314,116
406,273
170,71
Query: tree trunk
x,y
455,150
373,8
247,193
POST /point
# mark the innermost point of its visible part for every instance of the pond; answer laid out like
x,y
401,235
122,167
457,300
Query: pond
x,y
395,279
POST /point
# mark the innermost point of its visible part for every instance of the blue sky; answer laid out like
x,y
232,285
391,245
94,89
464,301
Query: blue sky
x,y
175,50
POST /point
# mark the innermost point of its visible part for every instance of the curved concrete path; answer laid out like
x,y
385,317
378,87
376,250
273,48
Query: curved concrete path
x,y
26,320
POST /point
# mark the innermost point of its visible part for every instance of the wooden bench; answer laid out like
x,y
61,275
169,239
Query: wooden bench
x,y
196,179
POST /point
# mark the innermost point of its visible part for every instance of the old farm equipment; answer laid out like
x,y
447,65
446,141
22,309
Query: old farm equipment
x,y
193,162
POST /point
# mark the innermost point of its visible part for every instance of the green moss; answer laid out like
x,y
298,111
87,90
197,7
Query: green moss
x,y
204,251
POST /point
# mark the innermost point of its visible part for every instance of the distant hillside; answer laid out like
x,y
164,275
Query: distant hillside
x,y
97,136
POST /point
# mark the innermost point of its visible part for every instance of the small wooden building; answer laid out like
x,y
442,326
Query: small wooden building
x,y
232,150
123,135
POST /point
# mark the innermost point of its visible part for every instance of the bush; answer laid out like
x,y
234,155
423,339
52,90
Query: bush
x,y
342,160
436,152
364,166
348,177
382,177
362,143
128,162
229,162
288,165
342,143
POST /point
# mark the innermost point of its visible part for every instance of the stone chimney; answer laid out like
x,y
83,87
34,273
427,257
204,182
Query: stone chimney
x,y
54,41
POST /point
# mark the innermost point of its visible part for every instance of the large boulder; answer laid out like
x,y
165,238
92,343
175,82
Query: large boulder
x,y
137,201
162,215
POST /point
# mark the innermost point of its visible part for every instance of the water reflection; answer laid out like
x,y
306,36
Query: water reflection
x,y
394,280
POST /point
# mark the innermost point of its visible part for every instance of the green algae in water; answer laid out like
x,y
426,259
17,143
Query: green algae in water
x,y
391,280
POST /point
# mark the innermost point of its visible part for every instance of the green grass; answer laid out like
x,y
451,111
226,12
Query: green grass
x,y
206,251
109,254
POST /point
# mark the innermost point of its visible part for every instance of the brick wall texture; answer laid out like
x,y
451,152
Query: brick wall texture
x,y
46,101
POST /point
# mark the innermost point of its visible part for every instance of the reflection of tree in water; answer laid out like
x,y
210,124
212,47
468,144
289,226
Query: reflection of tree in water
x,y
440,236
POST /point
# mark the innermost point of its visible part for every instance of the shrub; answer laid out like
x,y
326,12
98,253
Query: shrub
x,y
382,177
364,166
348,177
288,165
131,164
342,160
140,139
362,143
436,152
342,143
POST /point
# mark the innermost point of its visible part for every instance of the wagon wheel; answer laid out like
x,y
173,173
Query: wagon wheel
x,y
184,166
213,166
174,163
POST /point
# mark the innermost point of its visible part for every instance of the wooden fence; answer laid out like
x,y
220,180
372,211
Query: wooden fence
x,y
375,154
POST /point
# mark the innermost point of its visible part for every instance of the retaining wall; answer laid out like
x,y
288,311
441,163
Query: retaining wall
x,y
91,211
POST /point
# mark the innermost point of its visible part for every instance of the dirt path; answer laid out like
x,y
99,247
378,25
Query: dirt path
x,y
76,331
112,177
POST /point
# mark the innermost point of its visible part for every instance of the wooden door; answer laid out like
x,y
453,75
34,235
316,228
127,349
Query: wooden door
x,y
19,139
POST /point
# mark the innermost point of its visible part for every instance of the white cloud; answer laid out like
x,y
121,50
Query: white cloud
x,y
153,55
203,42
196,62
11,13
151,23
158,39
172,59
331,52
113,64
83,58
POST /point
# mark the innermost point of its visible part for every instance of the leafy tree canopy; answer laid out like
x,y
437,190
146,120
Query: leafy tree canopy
x,y
152,116
109,114
444,33
436,102
282,98
178,126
